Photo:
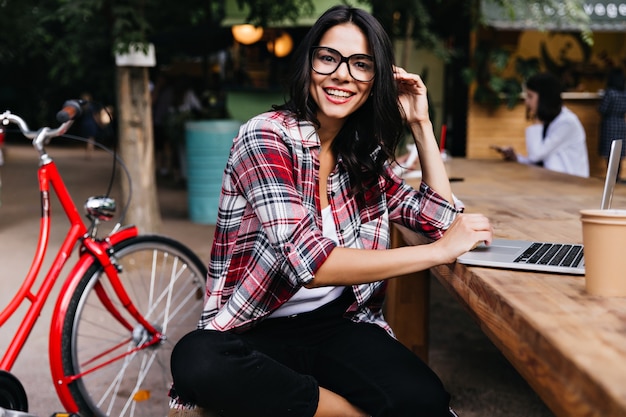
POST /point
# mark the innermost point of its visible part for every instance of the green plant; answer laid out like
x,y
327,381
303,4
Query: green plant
x,y
492,86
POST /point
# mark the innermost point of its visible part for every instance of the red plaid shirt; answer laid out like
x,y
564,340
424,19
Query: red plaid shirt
x,y
268,240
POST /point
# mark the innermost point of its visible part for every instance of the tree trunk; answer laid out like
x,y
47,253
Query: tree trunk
x,y
136,147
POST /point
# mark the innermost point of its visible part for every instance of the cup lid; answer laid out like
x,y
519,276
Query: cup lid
x,y
603,213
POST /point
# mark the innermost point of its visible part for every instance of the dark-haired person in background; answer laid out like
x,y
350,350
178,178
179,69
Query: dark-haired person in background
x,y
556,139
293,322
612,109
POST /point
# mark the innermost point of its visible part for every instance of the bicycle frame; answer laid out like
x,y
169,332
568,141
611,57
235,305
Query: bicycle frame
x,y
90,250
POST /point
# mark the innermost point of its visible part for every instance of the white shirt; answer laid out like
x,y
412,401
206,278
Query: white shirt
x,y
564,148
308,299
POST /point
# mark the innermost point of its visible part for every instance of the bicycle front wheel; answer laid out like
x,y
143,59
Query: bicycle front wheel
x,y
103,345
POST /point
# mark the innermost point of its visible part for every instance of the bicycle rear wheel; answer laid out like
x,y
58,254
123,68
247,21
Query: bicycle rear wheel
x,y
166,282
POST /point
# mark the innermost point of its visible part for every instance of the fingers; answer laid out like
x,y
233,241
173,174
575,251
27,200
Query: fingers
x,y
405,78
472,229
477,222
466,232
507,152
409,80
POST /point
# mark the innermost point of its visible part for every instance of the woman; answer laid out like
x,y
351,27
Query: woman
x,y
293,322
556,139
612,108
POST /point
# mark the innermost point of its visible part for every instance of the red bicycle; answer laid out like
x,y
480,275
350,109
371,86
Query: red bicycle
x,y
124,304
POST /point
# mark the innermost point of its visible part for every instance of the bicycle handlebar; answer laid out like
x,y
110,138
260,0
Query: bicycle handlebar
x,y
71,110
66,116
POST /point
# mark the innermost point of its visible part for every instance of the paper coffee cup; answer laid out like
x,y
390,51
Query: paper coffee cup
x,y
604,240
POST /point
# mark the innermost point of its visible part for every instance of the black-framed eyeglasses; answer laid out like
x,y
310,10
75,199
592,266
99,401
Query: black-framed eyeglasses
x,y
325,61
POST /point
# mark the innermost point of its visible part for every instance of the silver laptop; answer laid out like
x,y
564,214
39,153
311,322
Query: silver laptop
x,y
565,258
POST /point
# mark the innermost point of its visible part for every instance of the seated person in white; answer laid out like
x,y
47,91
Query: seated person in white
x,y
557,140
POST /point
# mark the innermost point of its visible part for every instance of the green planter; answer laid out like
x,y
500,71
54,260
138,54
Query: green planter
x,y
208,145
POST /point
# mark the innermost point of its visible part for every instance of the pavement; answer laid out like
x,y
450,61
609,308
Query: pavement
x,y
19,230
481,381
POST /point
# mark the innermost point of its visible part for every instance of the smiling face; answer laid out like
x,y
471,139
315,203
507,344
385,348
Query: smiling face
x,y
338,95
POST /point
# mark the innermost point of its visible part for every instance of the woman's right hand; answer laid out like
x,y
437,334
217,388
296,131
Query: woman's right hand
x,y
466,232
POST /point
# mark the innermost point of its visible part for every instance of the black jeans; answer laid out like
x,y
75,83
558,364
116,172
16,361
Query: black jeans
x,y
274,369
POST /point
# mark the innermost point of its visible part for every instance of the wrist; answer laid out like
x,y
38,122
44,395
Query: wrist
x,y
439,254
420,123
421,128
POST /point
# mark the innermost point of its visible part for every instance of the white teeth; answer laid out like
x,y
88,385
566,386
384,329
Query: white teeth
x,y
338,93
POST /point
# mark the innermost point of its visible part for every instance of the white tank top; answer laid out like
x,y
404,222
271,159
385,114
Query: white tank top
x,y
307,299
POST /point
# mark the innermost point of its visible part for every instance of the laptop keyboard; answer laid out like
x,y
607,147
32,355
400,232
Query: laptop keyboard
x,y
552,254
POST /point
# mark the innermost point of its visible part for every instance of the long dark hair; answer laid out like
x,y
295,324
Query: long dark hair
x,y
615,79
549,89
378,123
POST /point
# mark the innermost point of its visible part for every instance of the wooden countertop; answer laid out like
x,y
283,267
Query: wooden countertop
x,y
570,346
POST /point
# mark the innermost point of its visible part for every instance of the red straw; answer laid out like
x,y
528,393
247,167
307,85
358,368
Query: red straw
x,y
442,139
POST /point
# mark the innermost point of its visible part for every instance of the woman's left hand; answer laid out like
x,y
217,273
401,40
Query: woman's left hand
x,y
413,96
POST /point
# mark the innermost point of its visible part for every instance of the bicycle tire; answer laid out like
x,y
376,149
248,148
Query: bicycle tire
x,y
135,385
12,393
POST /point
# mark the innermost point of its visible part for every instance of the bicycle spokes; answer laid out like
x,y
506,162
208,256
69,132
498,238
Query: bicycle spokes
x,y
121,367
